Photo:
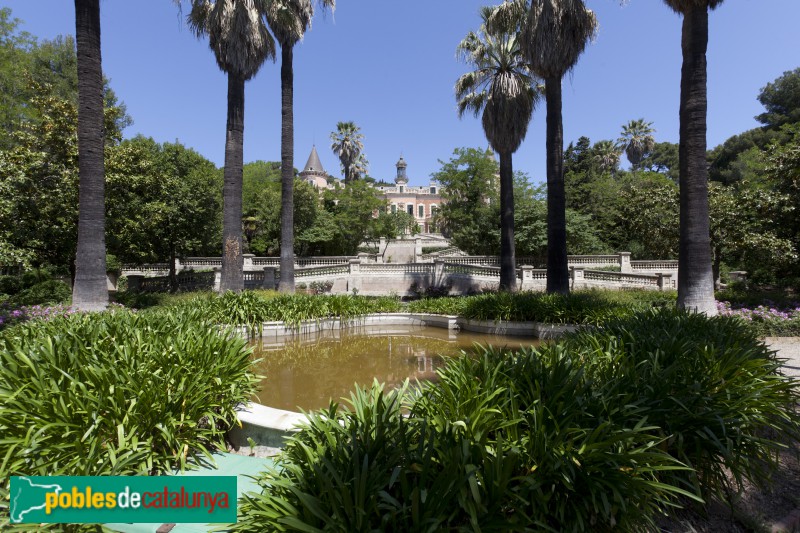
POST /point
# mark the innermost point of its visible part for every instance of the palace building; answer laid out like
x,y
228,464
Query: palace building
x,y
421,202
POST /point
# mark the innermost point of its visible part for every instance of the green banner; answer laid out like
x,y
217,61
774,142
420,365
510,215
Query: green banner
x,y
129,499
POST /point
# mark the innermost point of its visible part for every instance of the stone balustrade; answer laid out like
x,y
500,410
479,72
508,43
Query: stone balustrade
x,y
462,274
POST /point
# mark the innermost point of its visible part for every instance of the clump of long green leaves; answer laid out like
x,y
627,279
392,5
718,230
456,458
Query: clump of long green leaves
x,y
712,387
116,393
603,431
253,308
590,307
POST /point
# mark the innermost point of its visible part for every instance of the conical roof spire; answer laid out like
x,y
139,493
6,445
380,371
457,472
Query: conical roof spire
x,y
314,165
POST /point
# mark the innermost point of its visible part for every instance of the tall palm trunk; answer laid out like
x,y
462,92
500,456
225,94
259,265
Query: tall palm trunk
x,y
508,267
557,270
232,260
90,292
695,279
286,283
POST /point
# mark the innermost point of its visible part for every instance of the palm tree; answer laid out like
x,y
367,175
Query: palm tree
x,y
241,43
289,20
554,36
695,278
502,87
346,143
606,155
90,292
637,141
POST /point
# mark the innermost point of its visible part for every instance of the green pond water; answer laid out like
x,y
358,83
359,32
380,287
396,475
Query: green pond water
x,y
307,372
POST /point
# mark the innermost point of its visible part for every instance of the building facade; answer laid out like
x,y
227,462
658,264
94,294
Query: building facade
x,y
421,202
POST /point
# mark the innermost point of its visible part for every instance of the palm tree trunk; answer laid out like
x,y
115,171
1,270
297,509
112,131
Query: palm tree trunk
x,y
232,260
695,279
286,283
508,267
557,270
90,292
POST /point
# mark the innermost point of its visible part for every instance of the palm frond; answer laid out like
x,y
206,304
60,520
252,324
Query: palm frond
x,y
555,34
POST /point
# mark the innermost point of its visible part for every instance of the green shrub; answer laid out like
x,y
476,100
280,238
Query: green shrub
x,y
36,276
468,457
140,300
581,307
600,432
712,387
253,308
44,293
10,285
116,394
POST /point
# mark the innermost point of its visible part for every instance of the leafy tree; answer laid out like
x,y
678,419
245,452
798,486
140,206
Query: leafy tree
x,y
266,237
39,180
781,98
347,142
737,158
662,158
695,278
164,202
502,89
555,34
469,217
89,290
241,43
350,208
257,175
648,218
289,20
742,228
637,141
783,167
389,225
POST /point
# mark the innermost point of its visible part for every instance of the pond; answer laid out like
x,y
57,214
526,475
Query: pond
x,y
307,372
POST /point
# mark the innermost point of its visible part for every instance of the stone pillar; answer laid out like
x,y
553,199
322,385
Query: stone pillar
x,y
217,278
625,262
354,277
527,277
417,250
738,276
269,278
135,282
248,262
178,265
578,279
438,272
664,281
363,257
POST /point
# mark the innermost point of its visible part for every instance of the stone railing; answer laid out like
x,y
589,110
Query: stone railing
x,y
378,279
187,281
449,252
668,265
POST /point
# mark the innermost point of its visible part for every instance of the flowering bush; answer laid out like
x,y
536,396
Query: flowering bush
x,y
768,319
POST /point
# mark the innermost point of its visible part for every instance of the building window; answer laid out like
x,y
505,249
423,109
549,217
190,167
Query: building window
x,y
421,211
401,188
433,190
410,208
394,209
434,210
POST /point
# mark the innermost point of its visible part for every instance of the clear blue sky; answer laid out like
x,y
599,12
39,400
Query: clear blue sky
x,y
390,67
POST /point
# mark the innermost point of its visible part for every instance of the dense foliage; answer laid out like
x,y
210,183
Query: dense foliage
x,y
581,307
253,308
471,216
600,432
116,393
